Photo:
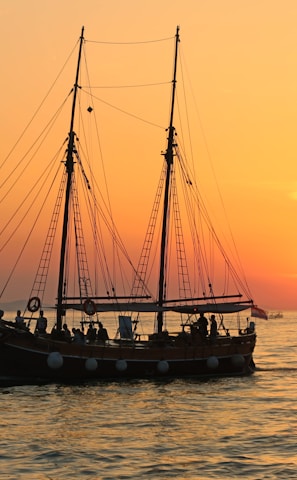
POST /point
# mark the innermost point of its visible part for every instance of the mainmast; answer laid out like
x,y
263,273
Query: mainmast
x,y
69,163
169,160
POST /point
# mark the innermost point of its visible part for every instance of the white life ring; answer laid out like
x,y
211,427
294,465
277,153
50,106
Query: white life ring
x,y
89,307
33,304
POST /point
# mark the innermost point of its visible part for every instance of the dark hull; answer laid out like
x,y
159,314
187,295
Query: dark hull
x,y
26,357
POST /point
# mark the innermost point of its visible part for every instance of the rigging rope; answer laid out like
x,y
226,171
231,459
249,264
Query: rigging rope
x,y
130,43
44,176
129,86
39,107
25,242
125,112
40,137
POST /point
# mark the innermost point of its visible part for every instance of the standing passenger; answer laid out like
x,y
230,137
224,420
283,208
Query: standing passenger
x,y
19,320
202,323
41,324
91,333
213,327
67,333
102,335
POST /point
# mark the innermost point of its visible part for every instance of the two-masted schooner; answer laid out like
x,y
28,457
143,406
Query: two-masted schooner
x,y
201,343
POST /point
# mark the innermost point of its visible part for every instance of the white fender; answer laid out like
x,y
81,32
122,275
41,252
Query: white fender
x,y
212,362
121,365
55,360
163,366
91,364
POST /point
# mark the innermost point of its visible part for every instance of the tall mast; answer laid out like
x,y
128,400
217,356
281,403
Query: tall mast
x,y
69,163
169,160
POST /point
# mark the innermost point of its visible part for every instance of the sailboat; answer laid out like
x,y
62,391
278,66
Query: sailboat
x,y
201,344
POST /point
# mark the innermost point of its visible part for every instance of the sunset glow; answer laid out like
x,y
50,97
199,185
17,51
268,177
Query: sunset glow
x,y
242,61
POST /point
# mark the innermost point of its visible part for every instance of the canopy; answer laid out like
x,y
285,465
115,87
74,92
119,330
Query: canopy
x,y
228,307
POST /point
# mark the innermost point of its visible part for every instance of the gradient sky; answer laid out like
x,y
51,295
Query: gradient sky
x,y
242,57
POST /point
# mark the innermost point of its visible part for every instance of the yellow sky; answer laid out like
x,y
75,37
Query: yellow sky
x,y
242,58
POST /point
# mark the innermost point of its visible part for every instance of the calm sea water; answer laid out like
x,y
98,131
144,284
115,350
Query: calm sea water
x,y
184,429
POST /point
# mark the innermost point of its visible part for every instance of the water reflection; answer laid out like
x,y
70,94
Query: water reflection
x,y
219,428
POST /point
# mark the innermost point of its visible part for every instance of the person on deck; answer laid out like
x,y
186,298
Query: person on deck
x,y
66,333
91,333
102,335
202,323
41,324
78,336
213,327
19,320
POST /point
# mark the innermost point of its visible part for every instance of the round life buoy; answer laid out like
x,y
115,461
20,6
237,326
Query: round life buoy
x,y
89,307
33,304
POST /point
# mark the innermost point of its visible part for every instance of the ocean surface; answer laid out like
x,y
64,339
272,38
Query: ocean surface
x,y
186,429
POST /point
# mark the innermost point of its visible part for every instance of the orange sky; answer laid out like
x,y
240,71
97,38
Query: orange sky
x,y
242,58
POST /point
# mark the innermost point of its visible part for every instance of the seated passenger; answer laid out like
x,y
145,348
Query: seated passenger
x,y
78,336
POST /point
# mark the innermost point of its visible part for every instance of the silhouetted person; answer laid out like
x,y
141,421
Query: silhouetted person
x,y
202,323
41,324
78,336
102,335
91,333
66,332
19,320
213,327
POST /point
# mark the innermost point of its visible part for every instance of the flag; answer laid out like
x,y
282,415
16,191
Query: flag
x,y
258,313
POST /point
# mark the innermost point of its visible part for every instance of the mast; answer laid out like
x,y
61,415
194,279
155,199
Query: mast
x,y
169,160
69,163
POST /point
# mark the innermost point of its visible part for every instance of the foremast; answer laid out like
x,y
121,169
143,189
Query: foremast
x,y
169,154
69,164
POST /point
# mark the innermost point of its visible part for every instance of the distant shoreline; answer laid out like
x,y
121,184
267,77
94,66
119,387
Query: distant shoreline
x,y
14,305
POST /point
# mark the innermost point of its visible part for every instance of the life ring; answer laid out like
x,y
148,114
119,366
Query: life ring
x,y
33,304
89,307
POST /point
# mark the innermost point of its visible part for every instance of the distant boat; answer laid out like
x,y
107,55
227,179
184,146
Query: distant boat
x,y
196,349
275,315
